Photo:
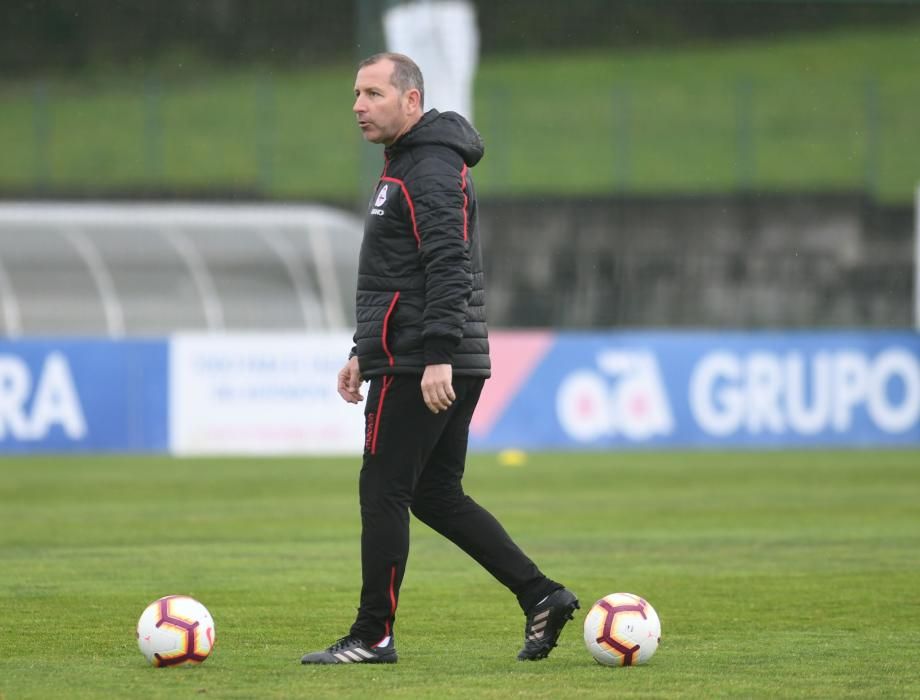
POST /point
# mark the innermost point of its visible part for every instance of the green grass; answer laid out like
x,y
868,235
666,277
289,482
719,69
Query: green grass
x,y
813,112
790,574
809,112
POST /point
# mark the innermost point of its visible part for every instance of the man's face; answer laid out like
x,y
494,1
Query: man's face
x,y
383,113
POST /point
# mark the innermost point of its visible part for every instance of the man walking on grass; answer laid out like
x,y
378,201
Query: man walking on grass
x,y
422,342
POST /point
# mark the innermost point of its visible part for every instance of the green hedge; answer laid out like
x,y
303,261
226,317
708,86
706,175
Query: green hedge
x,y
813,113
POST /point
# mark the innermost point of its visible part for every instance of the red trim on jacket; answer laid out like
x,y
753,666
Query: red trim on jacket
x,y
418,239
466,201
386,323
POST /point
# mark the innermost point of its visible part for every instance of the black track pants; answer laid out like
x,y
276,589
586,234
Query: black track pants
x,y
414,459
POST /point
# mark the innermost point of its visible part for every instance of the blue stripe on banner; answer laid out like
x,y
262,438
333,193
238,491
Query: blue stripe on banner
x,y
591,390
83,396
729,389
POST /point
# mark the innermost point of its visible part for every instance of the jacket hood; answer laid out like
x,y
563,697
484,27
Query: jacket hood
x,y
443,129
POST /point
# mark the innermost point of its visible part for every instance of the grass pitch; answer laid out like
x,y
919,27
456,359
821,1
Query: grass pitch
x,y
790,574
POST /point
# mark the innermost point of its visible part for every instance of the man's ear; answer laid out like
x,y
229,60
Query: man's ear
x,y
413,99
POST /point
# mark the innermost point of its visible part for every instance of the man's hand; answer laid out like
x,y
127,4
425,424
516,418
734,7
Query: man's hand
x,y
437,389
349,384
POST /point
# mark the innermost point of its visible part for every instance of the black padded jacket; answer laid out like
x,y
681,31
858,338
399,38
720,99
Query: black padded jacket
x,y
420,298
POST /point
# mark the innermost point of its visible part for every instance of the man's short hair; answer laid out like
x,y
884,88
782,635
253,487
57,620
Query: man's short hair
x,y
406,73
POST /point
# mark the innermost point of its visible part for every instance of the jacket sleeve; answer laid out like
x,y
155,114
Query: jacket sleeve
x,y
438,194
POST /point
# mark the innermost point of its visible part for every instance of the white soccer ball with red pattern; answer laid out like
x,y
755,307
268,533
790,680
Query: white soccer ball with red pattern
x,y
175,630
622,629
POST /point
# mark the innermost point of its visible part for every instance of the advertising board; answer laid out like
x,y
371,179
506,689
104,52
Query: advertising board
x,y
83,396
714,389
260,394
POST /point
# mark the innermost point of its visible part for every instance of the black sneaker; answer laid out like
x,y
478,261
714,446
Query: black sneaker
x,y
351,650
545,622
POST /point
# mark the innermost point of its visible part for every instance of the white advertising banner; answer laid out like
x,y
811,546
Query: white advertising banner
x,y
261,394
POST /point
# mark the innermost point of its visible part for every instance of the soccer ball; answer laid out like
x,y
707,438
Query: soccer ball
x,y
175,630
622,629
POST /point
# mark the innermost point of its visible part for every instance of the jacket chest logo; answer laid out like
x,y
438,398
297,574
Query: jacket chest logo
x,y
381,198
